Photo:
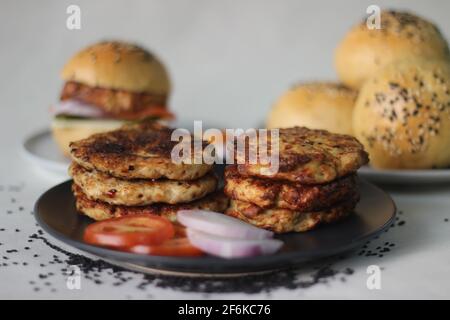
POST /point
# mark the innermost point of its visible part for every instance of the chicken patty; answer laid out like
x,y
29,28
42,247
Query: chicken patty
x,y
137,151
137,192
116,103
99,210
267,193
283,220
307,156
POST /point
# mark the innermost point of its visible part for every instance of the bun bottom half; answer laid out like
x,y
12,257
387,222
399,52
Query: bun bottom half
x,y
65,131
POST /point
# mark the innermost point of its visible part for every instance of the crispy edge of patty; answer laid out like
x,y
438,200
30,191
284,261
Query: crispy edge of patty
x,y
137,192
283,221
307,156
139,151
267,193
99,210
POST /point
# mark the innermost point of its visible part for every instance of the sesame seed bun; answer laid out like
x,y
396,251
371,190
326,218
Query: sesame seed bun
x,y
65,131
363,51
316,105
118,65
402,115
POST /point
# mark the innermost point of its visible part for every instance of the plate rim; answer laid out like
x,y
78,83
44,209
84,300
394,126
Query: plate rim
x,y
48,164
259,263
367,170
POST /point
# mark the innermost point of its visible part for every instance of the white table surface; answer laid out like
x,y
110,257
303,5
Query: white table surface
x,y
228,64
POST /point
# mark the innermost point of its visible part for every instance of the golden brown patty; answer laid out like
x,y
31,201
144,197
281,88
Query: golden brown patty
x,y
99,210
283,220
309,156
116,103
135,151
137,192
267,193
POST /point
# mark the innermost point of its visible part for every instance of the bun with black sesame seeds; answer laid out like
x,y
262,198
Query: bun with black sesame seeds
x,y
402,115
402,35
316,105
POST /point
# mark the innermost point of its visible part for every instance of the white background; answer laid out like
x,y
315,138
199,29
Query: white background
x,y
229,61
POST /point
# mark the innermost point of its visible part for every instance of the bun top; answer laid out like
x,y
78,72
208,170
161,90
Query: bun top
x,y
403,35
320,90
316,105
118,65
402,115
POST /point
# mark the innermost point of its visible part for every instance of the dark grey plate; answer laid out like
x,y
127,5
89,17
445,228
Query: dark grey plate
x,y
424,176
55,212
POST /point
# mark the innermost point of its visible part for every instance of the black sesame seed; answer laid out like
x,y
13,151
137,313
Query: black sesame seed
x,y
252,284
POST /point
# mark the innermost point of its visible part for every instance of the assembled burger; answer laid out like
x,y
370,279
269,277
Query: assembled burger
x,y
106,85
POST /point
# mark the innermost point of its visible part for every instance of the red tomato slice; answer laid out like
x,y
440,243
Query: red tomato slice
x,y
155,111
176,247
128,231
180,231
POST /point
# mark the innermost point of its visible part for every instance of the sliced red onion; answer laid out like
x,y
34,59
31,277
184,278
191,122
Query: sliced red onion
x,y
221,225
76,108
232,248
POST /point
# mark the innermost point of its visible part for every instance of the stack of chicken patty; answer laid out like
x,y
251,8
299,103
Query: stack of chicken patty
x,y
130,171
315,182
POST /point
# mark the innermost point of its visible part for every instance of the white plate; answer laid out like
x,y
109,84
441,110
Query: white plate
x,y
405,176
40,149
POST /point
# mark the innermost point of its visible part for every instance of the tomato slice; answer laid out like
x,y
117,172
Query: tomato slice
x,y
176,247
159,112
180,230
128,231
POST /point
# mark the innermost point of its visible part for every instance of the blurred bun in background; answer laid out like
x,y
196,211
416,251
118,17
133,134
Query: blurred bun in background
x,y
403,35
106,85
118,65
316,105
402,115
